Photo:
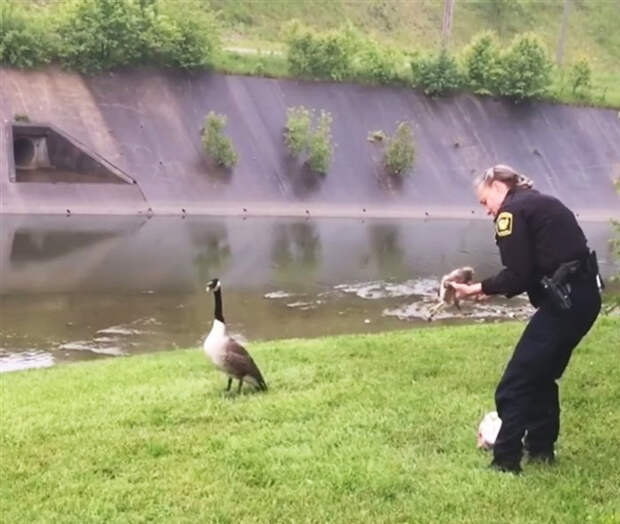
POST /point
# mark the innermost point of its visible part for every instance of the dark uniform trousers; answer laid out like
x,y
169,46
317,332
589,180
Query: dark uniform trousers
x,y
527,395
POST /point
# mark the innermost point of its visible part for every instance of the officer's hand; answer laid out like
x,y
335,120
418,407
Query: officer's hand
x,y
467,290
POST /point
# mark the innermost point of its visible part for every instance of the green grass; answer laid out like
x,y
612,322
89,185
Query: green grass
x,y
366,428
414,26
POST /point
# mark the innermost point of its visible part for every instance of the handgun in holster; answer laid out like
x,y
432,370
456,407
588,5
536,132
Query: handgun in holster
x,y
558,288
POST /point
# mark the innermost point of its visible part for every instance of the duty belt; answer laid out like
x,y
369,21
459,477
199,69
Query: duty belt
x,y
558,288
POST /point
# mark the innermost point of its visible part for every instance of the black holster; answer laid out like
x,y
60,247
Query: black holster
x,y
557,287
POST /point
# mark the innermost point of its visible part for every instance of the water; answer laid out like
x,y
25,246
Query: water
x,y
78,288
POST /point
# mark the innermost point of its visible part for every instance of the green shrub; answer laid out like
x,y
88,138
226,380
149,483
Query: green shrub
x,y
305,140
182,34
525,68
399,150
298,122
580,76
24,39
102,34
436,74
320,144
377,63
320,55
217,146
481,61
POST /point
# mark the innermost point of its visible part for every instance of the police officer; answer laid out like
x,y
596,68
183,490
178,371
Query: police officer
x,y
540,243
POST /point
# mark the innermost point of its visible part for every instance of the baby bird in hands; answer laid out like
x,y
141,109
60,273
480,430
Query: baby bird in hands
x,y
447,294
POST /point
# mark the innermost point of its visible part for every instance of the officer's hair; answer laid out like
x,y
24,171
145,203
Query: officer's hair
x,y
505,174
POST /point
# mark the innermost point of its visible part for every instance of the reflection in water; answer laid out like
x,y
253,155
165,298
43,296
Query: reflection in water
x,y
213,249
296,251
87,287
386,248
38,246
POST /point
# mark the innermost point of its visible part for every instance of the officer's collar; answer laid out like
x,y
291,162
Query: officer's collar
x,y
509,195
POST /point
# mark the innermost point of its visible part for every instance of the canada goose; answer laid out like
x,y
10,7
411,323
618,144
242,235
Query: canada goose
x,y
446,293
227,354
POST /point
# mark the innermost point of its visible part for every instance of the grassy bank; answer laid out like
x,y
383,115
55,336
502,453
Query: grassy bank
x,y
374,428
370,42
416,26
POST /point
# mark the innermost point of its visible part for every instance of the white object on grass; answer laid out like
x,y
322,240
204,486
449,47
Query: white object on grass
x,y
488,430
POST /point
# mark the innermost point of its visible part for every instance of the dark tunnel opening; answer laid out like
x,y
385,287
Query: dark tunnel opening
x,y
23,151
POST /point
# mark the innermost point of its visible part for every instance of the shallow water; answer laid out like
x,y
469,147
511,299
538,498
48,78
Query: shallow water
x,y
77,288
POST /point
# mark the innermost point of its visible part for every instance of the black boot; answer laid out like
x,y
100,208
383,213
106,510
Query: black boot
x,y
546,456
506,466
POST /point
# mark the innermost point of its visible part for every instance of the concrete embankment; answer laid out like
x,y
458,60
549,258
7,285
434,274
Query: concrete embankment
x,y
147,123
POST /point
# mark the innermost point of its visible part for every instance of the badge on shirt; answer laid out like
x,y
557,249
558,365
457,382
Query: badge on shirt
x,y
503,224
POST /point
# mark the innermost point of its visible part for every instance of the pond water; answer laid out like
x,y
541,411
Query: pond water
x,y
76,288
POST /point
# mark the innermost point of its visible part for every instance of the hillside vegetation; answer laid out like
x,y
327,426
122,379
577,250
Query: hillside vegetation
x,y
592,30
592,25
392,42
359,428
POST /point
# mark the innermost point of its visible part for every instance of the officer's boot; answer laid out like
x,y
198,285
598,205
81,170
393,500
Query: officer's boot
x,y
544,455
506,466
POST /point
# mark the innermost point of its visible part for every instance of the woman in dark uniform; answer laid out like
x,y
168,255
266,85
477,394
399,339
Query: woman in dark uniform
x,y
536,235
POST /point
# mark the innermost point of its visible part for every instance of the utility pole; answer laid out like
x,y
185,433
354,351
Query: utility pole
x,y
559,57
446,25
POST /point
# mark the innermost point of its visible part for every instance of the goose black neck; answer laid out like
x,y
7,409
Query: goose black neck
x,y
218,305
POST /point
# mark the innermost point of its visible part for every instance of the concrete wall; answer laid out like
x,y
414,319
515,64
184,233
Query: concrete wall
x,y
148,123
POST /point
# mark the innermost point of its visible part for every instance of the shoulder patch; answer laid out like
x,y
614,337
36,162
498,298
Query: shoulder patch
x,y
503,224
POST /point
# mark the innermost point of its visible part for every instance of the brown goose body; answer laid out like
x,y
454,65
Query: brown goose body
x,y
232,358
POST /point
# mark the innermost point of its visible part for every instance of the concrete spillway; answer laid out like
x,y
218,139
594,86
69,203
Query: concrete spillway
x,y
147,123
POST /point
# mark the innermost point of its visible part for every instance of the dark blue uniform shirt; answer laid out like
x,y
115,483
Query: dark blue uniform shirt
x,y
535,233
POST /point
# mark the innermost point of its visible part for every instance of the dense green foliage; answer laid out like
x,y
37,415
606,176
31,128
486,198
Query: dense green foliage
x,y
337,40
399,152
525,68
309,138
436,73
367,428
217,146
95,35
24,38
320,144
481,63
102,34
320,55
378,63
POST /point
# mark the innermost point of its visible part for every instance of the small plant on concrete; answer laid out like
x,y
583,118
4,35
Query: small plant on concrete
x,y
320,144
21,117
217,146
304,139
298,122
399,151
